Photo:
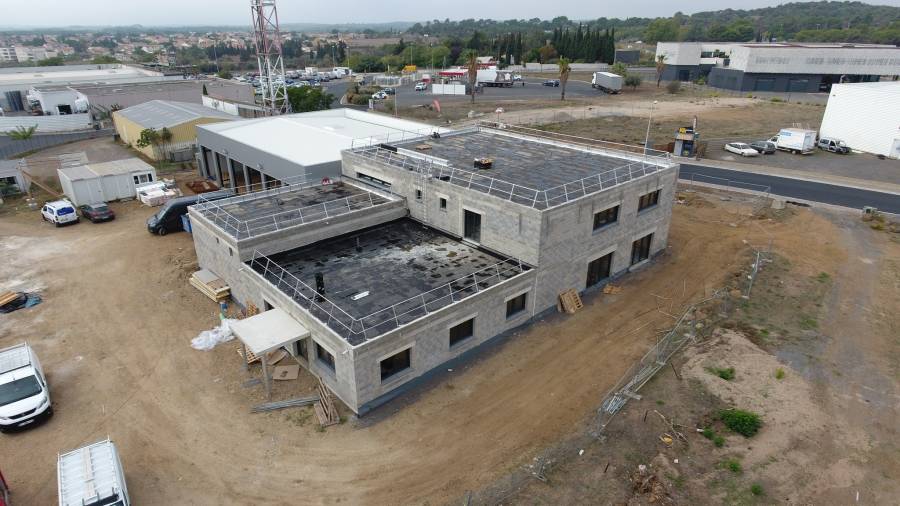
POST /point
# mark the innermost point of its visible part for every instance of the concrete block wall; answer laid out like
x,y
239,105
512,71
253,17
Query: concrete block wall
x,y
569,242
429,339
217,252
511,229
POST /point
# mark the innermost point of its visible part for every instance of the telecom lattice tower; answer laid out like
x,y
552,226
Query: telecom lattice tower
x,y
267,37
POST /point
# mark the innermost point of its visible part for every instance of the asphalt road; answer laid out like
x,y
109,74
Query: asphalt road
x,y
793,188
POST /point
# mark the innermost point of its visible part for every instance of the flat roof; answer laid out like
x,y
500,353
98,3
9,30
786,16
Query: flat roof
x,y
268,331
73,74
115,167
167,113
313,138
538,172
257,213
390,269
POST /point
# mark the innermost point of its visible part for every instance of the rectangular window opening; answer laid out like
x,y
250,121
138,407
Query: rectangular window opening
x,y
648,200
640,249
443,204
324,356
598,270
516,305
395,364
418,194
462,331
606,217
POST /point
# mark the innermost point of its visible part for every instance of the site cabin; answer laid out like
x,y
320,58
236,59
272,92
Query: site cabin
x,y
92,475
607,81
795,140
104,182
491,77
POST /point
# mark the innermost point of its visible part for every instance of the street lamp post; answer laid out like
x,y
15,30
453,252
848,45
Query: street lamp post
x,y
649,120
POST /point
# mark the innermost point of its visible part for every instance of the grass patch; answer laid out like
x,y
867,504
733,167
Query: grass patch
x,y
779,373
719,441
733,465
823,277
745,423
660,402
808,323
708,433
726,374
757,490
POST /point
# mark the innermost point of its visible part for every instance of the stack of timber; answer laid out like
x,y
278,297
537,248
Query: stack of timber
x,y
325,409
210,285
569,301
7,297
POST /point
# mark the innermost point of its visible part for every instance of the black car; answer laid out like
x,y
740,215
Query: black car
x,y
551,82
168,218
390,91
97,212
763,147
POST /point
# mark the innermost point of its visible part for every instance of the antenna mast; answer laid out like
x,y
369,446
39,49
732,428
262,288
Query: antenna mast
x,y
267,37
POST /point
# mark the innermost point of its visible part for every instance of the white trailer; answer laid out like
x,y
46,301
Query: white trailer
x,y
491,77
92,475
607,81
795,140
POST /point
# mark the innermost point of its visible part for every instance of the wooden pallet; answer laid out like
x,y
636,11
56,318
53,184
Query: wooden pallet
x,y
325,409
7,297
210,285
569,301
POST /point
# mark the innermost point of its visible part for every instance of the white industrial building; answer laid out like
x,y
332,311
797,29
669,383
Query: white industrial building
x,y
257,152
866,116
779,67
104,182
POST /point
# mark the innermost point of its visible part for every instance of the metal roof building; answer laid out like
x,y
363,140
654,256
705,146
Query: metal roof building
x,y
103,182
306,145
180,118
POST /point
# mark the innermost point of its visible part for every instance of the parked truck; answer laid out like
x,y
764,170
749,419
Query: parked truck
x,y
92,475
24,393
607,82
490,77
795,140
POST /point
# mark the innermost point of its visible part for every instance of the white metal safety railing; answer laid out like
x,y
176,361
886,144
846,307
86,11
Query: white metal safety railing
x,y
271,187
395,137
359,329
243,229
515,192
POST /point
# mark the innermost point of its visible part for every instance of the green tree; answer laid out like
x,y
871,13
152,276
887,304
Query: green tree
x,y
149,137
225,73
633,80
22,133
662,30
102,59
472,67
56,61
564,71
308,98
660,68
165,137
619,69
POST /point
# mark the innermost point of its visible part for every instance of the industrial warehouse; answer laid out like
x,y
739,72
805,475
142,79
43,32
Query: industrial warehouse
x,y
782,67
417,255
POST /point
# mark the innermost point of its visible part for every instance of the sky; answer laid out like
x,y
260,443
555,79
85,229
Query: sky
x,y
237,12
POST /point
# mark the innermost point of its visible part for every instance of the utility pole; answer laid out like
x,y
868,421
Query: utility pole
x,y
267,37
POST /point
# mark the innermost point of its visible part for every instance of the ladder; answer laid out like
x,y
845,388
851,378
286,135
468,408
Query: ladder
x,y
424,175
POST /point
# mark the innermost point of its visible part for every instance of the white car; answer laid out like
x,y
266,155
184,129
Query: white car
x,y
740,148
421,86
24,393
59,212
380,95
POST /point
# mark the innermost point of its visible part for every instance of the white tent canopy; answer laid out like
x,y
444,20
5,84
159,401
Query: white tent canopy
x,y
266,332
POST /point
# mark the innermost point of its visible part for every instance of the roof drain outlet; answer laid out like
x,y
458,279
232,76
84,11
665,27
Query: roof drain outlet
x,y
320,287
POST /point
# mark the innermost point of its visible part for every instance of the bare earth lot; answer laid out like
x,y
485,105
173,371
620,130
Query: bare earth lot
x,y
113,336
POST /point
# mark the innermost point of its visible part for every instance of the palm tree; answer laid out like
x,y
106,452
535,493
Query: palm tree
x,y
472,66
22,133
564,70
660,68
165,137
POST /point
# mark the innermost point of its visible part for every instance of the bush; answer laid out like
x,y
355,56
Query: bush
x,y
743,422
708,433
633,80
757,490
732,465
726,374
719,441
673,87
776,100
779,373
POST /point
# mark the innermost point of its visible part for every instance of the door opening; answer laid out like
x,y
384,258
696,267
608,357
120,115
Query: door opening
x,y
471,226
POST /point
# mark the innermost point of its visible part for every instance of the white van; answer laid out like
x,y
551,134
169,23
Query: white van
x,y
59,212
92,475
24,393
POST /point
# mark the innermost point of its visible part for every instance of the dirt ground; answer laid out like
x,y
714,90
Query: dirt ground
x,y
815,353
113,334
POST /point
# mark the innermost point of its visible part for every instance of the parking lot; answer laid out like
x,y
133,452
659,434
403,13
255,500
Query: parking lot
x,y
854,165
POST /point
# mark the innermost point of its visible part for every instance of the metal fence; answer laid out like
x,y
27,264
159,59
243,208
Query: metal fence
x,y
357,330
9,147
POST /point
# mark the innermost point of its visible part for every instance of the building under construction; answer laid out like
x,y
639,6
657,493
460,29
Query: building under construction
x,y
428,246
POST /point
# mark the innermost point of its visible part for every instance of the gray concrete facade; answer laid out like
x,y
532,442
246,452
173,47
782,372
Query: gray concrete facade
x,y
556,242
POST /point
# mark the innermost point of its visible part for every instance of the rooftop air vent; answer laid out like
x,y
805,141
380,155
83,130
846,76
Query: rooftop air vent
x,y
484,163
388,147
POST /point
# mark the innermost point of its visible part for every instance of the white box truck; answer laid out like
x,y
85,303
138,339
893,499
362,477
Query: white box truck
x,y
490,77
607,81
24,393
795,140
92,475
